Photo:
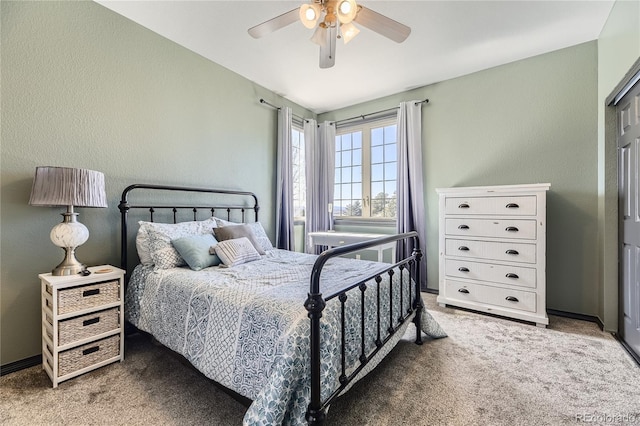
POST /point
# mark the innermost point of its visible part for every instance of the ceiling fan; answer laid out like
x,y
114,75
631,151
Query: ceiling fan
x,y
335,20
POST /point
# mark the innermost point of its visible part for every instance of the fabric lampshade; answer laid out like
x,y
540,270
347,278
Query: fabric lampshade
x,y
65,186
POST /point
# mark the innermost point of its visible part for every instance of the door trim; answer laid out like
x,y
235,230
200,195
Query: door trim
x,y
628,81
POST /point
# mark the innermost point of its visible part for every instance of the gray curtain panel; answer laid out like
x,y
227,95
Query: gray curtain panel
x,y
319,143
284,178
411,206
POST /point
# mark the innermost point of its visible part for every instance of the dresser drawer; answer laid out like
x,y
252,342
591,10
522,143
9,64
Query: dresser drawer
x,y
87,355
78,328
496,296
512,275
492,250
74,299
510,228
507,206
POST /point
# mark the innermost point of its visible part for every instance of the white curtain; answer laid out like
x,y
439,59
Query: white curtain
x,y
284,186
319,143
411,207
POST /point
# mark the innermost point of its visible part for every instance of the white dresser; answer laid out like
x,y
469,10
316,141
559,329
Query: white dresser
x,y
492,250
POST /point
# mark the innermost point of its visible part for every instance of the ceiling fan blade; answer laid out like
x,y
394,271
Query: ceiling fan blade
x,y
275,23
382,25
328,48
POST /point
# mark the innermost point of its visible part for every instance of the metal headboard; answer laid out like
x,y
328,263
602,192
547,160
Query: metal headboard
x,y
125,207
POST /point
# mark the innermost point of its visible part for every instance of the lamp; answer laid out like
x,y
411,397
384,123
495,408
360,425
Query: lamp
x,y
337,13
64,186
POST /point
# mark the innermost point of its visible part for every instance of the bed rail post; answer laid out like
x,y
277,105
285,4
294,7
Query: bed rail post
x,y
417,301
315,304
124,210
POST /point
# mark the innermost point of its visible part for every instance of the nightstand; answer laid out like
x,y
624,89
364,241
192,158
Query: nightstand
x,y
82,322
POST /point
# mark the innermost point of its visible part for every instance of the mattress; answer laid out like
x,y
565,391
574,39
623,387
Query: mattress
x,y
246,327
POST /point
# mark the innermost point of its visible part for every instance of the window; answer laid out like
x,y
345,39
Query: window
x,y
299,179
366,170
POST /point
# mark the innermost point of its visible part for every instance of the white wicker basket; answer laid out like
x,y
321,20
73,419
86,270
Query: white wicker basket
x,y
75,299
86,355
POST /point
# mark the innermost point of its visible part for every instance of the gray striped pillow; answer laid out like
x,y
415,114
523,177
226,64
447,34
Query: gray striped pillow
x,y
235,252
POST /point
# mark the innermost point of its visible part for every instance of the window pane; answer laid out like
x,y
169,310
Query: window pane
x,y
377,154
356,140
356,191
357,157
390,134
390,170
377,136
346,141
346,158
390,187
336,192
377,172
390,152
298,173
346,174
338,144
337,176
346,190
357,174
377,188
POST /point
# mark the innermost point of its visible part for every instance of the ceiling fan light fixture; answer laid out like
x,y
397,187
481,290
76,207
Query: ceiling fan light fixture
x,y
319,36
349,31
347,10
309,14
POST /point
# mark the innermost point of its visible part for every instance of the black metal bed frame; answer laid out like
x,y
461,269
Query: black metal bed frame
x,y
316,302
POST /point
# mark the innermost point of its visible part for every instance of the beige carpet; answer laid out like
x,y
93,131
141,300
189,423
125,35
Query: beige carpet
x,y
489,371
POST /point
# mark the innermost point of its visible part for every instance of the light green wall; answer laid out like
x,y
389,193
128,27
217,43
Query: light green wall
x,y
618,49
85,87
532,121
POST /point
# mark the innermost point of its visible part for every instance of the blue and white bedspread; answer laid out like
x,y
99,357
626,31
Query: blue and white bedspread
x,y
246,327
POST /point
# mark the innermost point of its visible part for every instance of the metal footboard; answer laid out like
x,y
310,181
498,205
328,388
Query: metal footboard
x,y
316,303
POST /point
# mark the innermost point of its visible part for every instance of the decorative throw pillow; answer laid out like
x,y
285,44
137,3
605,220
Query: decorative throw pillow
x,y
142,245
258,230
162,252
237,251
232,232
194,249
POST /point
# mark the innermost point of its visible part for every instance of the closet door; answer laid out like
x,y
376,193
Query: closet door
x,y
628,111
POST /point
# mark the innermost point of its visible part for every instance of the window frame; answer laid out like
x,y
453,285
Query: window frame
x,y
366,129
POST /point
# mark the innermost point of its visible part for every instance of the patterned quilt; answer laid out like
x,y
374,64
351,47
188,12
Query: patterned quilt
x,y
246,327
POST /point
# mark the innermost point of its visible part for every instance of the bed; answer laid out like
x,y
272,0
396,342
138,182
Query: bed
x,y
289,331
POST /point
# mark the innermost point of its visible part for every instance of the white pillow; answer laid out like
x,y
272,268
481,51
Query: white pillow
x,y
236,252
160,251
258,230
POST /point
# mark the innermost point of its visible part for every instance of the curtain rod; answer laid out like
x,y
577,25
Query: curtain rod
x,y
362,117
262,101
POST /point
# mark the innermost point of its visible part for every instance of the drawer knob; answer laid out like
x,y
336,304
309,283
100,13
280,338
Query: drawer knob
x,y
463,269
463,227
463,290
512,275
463,206
511,299
463,248
512,206
91,350
92,292
90,321
511,229
514,252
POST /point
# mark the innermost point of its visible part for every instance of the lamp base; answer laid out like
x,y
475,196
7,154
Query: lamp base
x,y
70,265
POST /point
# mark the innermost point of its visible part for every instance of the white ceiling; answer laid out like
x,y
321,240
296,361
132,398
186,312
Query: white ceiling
x,y
448,39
